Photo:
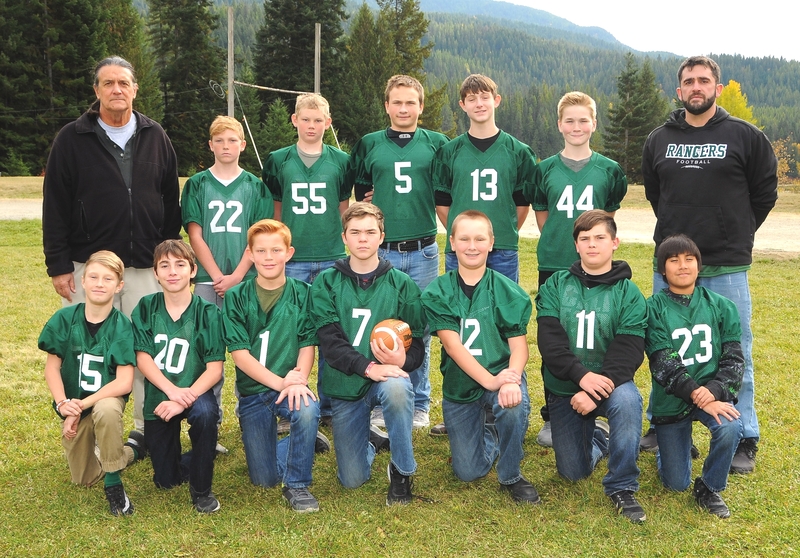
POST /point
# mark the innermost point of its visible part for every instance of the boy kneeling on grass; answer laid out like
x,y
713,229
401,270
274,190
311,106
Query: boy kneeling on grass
x,y
180,350
592,321
481,318
272,338
694,345
347,301
89,371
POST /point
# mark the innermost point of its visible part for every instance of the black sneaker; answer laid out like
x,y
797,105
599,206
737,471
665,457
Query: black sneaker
x,y
399,487
626,505
326,421
204,503
522,491
301,500
118,501
321,444
378,438
136,443
744,460
439,430
649,442
710,501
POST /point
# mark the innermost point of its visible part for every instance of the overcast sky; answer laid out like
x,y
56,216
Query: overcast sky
x,y
763,28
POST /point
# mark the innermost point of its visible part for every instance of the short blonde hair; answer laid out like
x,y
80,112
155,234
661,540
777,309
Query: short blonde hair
x,y
176,248
269,226
477,83
475,215
401,80
312,101
222,123
109,260
577,99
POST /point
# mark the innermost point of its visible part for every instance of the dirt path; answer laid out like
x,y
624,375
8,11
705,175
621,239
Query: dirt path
x,y
778,234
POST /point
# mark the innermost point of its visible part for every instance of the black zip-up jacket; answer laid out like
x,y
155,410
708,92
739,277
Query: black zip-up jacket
x,y
715,183
87,206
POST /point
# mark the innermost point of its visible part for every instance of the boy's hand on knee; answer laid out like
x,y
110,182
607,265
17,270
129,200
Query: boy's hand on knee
x,y
382,372
295,395
702,397
719,409
507,376
294,378
582,403
183,396
167,410
596,385
509,395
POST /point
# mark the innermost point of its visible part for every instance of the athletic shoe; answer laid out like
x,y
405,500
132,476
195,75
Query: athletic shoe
x,y
439,430
603,426
221,449
399,487
379,439
118,501
695,452
326,421
136,443
207,503
545,436
376,418
300,499
744,460
710,501
421,419
649,442
627,506
522,491
284,426
321,444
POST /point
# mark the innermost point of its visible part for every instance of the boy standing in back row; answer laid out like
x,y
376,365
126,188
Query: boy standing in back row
x,y
569,183
311,185
485,169
394,164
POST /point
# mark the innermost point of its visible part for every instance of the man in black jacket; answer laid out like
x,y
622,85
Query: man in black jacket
x,y
111,183
713,177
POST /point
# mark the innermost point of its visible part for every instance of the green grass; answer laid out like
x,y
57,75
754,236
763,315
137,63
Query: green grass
x,y
44,515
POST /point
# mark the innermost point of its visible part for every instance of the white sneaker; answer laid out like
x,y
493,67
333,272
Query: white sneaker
x,y
421,419
376,418
545,436
221,449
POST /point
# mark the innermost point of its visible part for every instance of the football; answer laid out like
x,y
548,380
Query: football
x,y
392,331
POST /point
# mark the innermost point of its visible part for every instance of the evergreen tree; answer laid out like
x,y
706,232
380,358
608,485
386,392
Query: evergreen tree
x,y
285,49
187,60
640,109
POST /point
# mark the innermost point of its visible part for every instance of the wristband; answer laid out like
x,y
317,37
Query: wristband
x,y
366,372
58,405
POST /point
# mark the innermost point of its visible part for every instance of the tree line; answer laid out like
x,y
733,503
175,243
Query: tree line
x,y
49,48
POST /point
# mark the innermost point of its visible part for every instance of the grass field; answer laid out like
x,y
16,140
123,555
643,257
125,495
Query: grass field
x,y
42,514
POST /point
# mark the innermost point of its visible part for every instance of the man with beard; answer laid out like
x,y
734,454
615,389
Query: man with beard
x,y
713,177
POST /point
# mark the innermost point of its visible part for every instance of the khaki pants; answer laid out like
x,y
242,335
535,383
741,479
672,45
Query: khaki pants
x,y
139,282
103,428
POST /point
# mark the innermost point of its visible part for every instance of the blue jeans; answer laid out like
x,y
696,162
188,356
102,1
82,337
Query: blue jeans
x,y
423,267
163,440
476,445
308,271
734,286
674,458
505,262
271,461
354,453
578,445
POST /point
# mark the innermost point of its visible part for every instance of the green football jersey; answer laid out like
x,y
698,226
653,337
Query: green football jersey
x,y
274,338
565,194
402,180
87,363
224,213
181,349
336,298
499,309
310,199
696,332
485,181
591,318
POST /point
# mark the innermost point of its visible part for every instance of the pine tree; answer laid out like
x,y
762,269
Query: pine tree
x,y
187,60
640,109
285,49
